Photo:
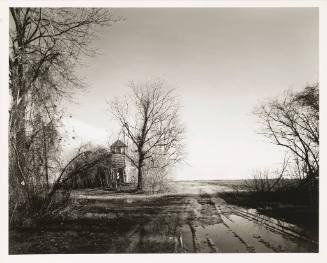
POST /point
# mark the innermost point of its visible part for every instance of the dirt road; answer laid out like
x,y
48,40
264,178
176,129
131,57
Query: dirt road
x,y
191,220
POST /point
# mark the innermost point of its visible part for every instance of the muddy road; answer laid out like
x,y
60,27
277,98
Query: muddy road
x,y
192,219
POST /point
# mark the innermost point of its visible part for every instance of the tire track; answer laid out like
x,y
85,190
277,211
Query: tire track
x,y
270,225
224,219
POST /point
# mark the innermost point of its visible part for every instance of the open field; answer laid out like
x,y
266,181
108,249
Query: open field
x,y
191,218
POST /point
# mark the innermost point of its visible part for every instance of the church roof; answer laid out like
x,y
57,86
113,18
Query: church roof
x,y
118,143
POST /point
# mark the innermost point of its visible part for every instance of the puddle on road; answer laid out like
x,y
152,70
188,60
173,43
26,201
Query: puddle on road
x,y
203,224
241,236
238,234
211,239
264,240
174,224
241,230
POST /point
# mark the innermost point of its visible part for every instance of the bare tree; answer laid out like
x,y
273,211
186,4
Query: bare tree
x,y
149,119
157,173
45,45
293,123
268,181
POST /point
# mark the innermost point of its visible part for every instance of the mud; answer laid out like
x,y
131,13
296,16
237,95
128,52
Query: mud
x,y
190,219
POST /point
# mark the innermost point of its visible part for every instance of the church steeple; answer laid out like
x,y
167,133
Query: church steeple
x,y
118,147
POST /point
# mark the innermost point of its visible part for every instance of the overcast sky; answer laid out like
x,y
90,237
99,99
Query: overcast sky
x,y
222,61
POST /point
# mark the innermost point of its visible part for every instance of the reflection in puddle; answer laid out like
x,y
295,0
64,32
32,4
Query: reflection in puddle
x,y
174,224
202,226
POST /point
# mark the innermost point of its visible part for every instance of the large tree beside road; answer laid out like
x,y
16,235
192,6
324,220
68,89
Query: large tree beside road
x,y
45,46
149,118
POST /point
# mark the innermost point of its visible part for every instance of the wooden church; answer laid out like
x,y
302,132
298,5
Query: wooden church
x,y
108,170
118,162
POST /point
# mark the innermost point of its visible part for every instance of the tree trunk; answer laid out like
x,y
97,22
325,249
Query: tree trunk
x,y
45,156
139,179
139,169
